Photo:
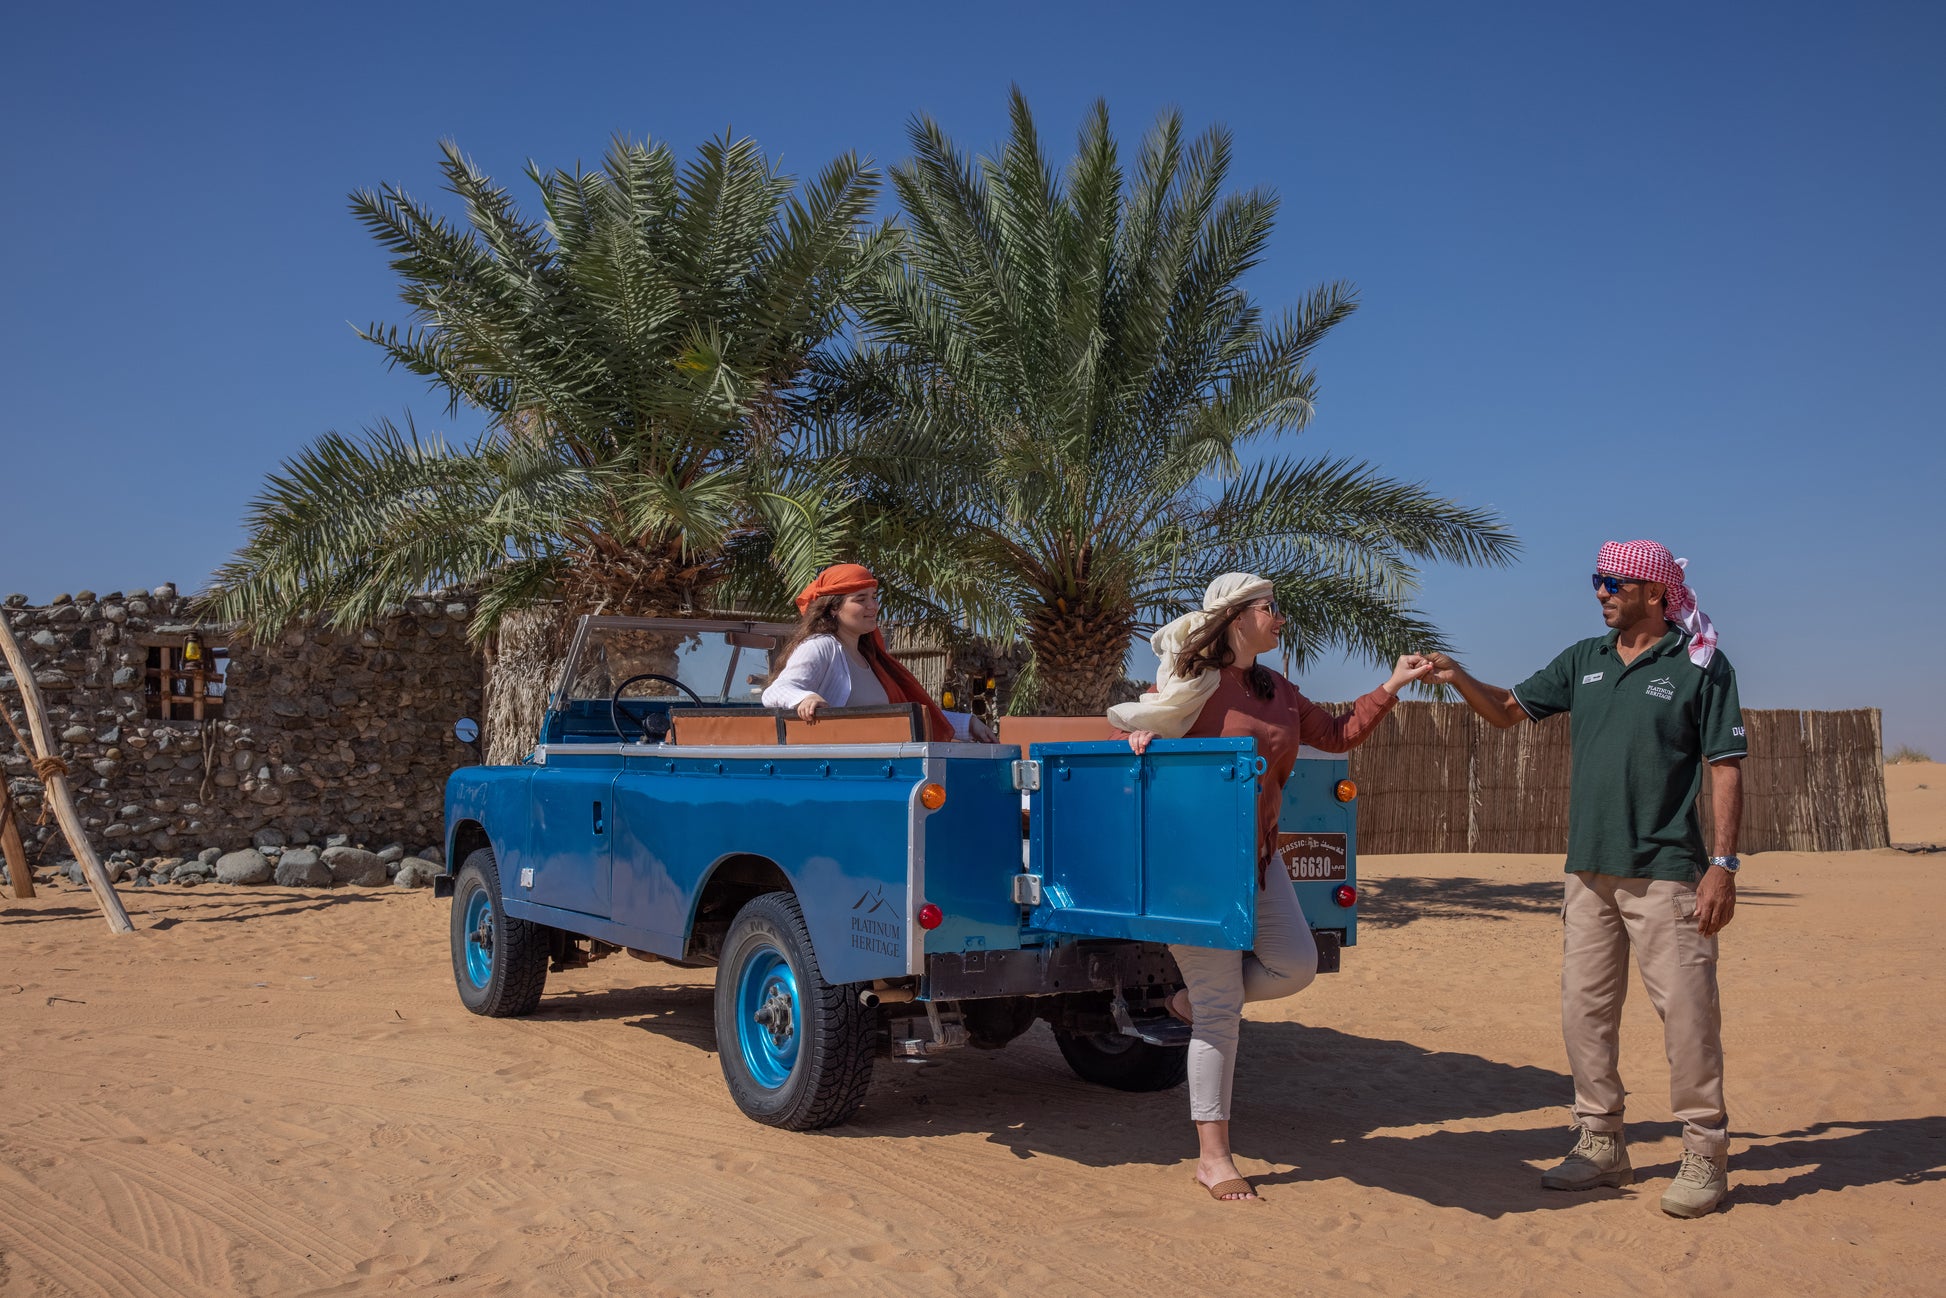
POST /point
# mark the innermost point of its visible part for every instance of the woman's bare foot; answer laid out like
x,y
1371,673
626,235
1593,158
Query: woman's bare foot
x,y
1213,1172
1178,1004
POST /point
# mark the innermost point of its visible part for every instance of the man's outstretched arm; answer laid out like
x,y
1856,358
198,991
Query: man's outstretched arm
x,y
1496,704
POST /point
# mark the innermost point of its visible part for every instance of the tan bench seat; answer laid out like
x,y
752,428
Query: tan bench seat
x,y
723,729
1053,730
899,723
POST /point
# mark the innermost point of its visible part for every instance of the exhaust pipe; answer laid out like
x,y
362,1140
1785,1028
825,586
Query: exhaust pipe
x,y
874,996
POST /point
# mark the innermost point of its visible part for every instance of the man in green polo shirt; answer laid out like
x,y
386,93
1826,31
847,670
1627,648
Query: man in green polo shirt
x,y
1653,703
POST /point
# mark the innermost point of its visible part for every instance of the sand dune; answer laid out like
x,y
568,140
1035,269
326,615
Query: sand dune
x,y
272,1092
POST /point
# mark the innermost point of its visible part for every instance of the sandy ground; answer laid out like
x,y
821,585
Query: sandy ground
x,y
271,1092
1915,795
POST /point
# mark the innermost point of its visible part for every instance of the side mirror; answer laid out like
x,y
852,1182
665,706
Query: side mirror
x,y
466,730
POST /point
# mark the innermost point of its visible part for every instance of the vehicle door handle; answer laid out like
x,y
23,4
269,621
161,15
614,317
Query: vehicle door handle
x,y
600,824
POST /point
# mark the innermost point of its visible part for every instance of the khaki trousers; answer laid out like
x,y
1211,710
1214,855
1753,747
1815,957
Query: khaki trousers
x,y
1602,917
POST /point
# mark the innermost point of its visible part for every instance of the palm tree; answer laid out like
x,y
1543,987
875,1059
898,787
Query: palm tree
x,y
637,356
1046,419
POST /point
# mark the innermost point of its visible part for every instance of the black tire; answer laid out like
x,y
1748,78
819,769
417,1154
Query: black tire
x,y
815,1074
1125,1063
512,953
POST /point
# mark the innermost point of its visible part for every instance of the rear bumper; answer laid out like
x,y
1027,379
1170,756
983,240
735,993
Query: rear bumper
x,y
1049,971
1074,967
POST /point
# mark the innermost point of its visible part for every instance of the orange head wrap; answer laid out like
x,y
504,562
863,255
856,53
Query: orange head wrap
x,y
838,579
901,686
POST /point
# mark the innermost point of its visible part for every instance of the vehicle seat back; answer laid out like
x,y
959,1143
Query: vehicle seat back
x,y
690,727
1054,730
894,723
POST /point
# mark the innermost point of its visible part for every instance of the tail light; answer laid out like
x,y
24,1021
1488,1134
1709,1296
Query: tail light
x,y
932,796
1344,895
1346,790
931,917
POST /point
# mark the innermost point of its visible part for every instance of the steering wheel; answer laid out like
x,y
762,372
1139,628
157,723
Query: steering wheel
x,y
654,725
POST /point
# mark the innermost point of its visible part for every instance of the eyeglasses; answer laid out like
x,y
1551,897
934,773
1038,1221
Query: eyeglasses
x,y
1267,605
1613,585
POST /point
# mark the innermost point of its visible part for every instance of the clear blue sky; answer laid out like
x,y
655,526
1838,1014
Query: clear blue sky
x,y
1654,269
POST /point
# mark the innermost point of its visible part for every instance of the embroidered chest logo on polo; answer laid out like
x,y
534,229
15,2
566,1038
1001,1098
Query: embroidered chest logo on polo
x,y
1591,678
1662,687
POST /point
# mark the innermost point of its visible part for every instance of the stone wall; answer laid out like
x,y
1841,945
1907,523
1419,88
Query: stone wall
x,y
323,733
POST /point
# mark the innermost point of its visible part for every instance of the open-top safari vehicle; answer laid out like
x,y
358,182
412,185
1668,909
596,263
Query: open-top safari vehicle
x,y
863,894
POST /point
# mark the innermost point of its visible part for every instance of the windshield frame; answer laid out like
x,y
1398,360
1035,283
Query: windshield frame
x,y
593,622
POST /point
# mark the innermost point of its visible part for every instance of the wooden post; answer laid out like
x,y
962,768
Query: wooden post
x,y
57,786
10,844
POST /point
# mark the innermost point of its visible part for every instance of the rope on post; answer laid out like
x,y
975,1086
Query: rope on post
x,y
39,772
53,772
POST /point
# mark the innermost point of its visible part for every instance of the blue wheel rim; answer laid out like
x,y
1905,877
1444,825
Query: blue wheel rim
x,y
768,1020
479,938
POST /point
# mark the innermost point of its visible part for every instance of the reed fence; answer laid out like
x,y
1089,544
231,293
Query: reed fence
x,y
1436,778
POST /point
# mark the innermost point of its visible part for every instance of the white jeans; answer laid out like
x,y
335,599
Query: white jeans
x,y
1282,963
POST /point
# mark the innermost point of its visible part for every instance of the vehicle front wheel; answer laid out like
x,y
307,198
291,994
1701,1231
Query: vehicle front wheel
x,y
796,1051
1125,1063
499,964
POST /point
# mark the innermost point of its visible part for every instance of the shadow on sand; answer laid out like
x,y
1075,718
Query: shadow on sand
x,y
232,908
1403,899
46,914
1833,1156
679,1013
226,906
1316,1101
1320,1104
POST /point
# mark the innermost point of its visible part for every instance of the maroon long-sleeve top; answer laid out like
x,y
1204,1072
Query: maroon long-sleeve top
x,y
1281,724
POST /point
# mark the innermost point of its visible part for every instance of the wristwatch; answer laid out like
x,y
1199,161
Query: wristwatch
x,y
1727,862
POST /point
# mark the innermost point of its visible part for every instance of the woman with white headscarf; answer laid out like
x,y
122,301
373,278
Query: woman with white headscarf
x,y
1211,685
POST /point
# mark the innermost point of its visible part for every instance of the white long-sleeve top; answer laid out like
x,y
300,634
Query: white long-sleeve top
x,y
820,666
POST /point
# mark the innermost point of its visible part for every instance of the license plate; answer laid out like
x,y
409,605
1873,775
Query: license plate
x,y
1311,858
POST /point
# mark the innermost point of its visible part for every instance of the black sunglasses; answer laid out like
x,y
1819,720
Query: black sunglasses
x,y
1613,585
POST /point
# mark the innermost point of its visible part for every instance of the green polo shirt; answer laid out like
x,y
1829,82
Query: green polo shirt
x,y
1640,736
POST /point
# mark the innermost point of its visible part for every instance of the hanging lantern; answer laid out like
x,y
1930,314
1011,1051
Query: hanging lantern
x,y
192,654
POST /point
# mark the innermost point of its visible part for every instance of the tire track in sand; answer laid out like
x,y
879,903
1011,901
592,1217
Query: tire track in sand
x,y
210,1191
116,1266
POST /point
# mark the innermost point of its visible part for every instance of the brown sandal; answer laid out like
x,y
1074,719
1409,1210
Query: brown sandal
x,y
1235,1185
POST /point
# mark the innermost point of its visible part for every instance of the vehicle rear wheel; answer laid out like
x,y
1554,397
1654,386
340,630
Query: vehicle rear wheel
x,y
796,1051
499,964
1125,1063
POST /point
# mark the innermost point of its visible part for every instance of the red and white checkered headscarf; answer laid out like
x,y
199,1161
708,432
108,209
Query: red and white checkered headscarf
x,y
1651,561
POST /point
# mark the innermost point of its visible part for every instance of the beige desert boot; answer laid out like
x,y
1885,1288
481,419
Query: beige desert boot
x,y
1700,1184
1598,1158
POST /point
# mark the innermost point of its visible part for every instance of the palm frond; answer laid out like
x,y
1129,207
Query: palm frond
x,y
1060,376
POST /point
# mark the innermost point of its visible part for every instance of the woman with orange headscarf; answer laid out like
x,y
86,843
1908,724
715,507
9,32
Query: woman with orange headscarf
x,y
838,656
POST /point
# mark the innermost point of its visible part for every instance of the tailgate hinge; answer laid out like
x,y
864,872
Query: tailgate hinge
x,y
1027,776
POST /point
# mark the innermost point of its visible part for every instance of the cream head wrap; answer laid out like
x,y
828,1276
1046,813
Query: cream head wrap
x,y
1170,709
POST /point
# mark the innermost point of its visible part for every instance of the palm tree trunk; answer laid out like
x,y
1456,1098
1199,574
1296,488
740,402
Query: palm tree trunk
x,y
529,648
523,664
1078,655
